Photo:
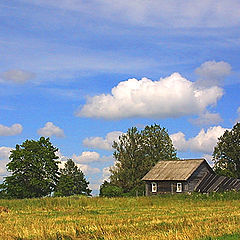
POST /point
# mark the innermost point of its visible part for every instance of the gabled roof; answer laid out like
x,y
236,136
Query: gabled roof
x,y
174,170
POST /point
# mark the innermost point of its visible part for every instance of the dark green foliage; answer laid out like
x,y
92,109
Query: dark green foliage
x,y
34,169
109,190
136,191
137,152
2,192
72,181
226,154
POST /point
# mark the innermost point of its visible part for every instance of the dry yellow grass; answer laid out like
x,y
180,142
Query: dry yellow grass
x,y
166,217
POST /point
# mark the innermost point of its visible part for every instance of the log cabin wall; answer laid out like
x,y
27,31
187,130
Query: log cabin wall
x,y
166,187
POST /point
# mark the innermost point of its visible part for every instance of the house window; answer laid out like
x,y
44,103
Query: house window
x,y
154,187
179,187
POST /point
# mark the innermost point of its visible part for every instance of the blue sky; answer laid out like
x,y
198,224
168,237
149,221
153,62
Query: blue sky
x,y
83,72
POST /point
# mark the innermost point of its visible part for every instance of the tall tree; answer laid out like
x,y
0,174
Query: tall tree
x,y
34,169
137,152
72,181
226,155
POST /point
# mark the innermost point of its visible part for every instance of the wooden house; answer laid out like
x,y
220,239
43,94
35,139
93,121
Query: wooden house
x,y
184,176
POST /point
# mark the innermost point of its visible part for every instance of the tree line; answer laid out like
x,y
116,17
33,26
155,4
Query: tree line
x,y
137,152
34,165
35,173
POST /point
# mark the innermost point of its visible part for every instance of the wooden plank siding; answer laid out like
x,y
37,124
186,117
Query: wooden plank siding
x,y
194,175
197,176
166,187
167,174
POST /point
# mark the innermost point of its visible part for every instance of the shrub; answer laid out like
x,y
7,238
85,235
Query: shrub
x,y
109,190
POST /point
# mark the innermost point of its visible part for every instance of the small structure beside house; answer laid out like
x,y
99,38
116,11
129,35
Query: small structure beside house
x,y
186,176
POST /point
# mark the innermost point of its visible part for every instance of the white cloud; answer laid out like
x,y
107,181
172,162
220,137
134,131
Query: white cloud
x,y
16,76
4,159
95,175
51,130
61,158
15,129
86,169
209,158
96,183
106,173
212,73
204,142
173,96
94,186
207,118
87,157
102,143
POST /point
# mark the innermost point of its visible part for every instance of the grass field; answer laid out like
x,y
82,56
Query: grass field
x,y
162,217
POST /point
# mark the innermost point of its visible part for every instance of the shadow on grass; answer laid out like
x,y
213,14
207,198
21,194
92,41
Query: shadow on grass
x,y
234,236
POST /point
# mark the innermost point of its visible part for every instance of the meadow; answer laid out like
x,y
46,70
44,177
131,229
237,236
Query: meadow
x,y
178,217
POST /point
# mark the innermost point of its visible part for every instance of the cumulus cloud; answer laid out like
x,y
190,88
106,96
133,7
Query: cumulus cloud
x,y
209,159
204,142
17,76
106,173
15,129
83,160
87,157
207,118
51,130
212,73
102,143
173,96
4,159
86,169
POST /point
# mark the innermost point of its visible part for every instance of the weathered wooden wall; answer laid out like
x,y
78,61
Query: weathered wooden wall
x,y
165,187
197,176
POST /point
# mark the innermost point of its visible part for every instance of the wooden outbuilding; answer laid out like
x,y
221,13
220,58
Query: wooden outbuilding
x,y
185,176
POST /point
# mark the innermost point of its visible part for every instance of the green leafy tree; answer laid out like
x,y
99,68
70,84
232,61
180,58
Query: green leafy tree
x,y
137,152
34,169
226,155
72,181
109,190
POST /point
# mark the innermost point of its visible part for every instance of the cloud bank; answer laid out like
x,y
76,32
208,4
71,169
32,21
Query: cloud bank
x,y
204,142
173,96
102,143
88,157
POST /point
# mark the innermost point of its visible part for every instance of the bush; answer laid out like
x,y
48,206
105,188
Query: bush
x,y
109,190
135,192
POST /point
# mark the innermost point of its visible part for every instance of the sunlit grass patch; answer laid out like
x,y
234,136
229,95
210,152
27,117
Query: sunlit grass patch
x,y
175,217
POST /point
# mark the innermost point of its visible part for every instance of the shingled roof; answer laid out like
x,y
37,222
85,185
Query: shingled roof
x,y
179,170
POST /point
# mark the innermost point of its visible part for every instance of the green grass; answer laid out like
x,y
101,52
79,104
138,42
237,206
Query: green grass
x,y
234,236
178,217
